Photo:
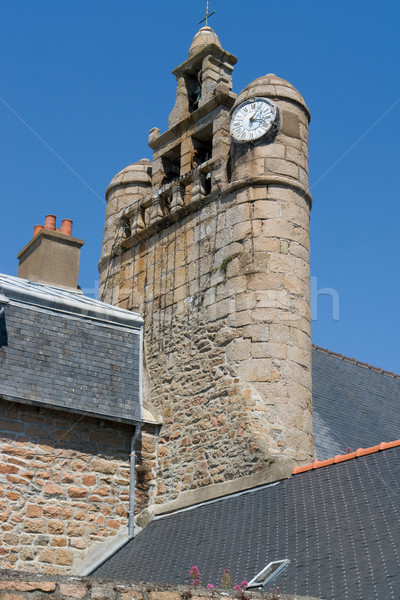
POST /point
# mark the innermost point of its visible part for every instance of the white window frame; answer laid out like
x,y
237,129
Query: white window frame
x,y
262,578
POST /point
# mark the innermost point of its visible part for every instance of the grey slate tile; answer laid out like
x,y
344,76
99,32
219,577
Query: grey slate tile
x,y
353,406
339,525
70,364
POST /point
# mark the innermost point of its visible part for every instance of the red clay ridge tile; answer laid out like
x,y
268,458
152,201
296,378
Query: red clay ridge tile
x,y
322,463
302,469
365,451
386,445
317,464
342,457
357,362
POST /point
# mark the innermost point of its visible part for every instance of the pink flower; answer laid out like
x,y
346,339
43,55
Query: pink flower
x,y
196,582
237,587
194,573
210,585
244,584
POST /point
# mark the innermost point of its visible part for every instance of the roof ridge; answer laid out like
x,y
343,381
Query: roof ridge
x,y
317,464
357,362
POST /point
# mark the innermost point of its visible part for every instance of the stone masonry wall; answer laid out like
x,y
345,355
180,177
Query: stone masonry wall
x,y
227,330
64,486
216,260
23,586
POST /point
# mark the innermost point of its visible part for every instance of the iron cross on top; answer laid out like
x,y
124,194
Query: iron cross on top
x,y
208,14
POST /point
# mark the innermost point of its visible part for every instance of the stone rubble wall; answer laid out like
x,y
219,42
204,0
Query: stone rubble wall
x,y
64,486
23,586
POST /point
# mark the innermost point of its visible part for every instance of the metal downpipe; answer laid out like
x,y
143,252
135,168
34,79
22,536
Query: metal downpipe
x,y
132,482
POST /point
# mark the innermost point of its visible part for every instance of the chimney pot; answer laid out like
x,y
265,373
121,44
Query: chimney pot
x,y
50,222
52,255
66,227
36,229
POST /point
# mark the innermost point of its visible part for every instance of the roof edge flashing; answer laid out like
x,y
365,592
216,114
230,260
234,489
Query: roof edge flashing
x,y
189,499
52,298
63,408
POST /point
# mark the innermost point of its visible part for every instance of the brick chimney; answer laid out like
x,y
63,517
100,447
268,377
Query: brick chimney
x,y
52,255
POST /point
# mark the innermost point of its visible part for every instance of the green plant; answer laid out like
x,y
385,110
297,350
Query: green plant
x,y
226,582
141,471
225,263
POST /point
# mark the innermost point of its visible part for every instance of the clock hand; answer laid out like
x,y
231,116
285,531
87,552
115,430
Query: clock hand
x,y
253,117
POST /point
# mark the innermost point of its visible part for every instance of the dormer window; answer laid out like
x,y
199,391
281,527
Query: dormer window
x,y
268,574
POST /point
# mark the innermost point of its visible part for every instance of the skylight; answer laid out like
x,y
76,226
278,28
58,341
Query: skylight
x,y
268,573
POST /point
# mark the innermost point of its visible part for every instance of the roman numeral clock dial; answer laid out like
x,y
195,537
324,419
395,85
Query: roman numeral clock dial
x,y
253,119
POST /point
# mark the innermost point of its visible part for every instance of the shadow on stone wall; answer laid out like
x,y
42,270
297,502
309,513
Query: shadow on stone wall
x,y
3,331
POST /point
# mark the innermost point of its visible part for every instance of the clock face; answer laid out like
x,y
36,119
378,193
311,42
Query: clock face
x,y
252,119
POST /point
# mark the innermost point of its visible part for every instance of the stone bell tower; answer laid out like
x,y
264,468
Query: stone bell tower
x,y
210,243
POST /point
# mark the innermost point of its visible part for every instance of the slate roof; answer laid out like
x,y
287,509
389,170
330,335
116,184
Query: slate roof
x,y
339,526
354,404
61,349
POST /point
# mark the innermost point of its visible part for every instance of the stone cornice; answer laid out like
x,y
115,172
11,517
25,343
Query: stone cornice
x,y
221,98
209,50
196,203
268,180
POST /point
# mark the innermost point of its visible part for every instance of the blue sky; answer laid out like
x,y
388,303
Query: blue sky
x,y
82,83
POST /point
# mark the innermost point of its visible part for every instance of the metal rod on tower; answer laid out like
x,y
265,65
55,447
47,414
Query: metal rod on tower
x,y
208,14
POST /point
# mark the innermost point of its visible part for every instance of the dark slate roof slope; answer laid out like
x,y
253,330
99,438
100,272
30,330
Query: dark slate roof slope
x,y
339,525
61,349
354,405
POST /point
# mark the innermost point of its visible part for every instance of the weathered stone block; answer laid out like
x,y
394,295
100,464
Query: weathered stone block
x,y
264,281
290,124
73,591
64,557
257,333
55,527
239,319
267,209
34,526
257,369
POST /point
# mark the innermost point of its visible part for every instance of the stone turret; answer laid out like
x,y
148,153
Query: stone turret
x,y
122,195
216,259
272,203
